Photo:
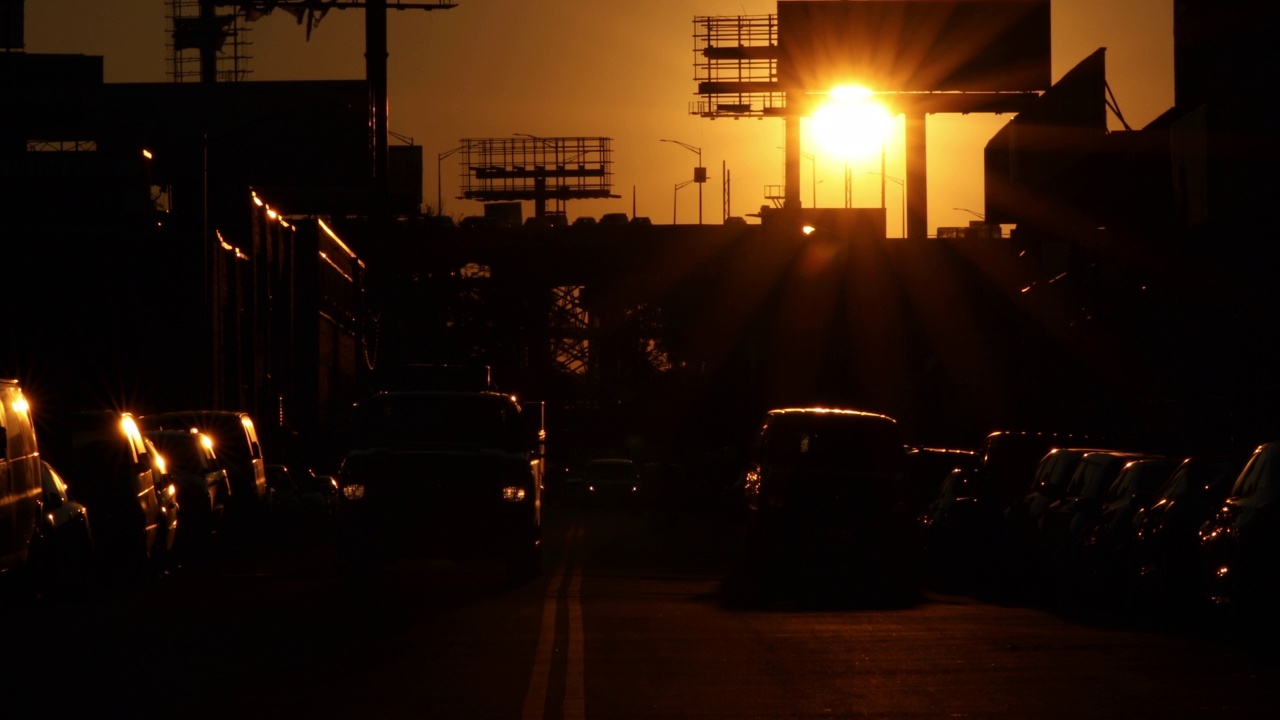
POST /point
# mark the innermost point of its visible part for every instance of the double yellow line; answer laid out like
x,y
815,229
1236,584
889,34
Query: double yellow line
x,y
564,590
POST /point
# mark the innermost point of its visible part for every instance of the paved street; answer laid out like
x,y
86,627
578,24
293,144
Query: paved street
x,y
635,616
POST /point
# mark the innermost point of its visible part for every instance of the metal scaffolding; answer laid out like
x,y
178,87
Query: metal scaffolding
x,y
569,326
736,66
190,30
527,167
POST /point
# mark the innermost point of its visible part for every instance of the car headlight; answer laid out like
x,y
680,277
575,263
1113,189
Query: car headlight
x,y
353,492
513,493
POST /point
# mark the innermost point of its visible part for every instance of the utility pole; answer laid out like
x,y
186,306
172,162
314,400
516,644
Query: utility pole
x,y
309,13
699,173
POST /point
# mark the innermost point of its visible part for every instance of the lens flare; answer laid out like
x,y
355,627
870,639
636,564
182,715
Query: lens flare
x,y
850,125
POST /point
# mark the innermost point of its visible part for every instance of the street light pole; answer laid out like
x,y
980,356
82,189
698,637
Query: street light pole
x,y
882,178
674,197
699,173
901,186
440,195
813,175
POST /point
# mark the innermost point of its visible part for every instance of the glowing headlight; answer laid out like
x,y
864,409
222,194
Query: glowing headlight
x,y
513,493
353,492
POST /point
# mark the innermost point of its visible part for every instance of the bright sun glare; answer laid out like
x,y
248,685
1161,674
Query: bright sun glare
x,y
850,125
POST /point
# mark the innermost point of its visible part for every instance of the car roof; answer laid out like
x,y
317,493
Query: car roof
x,y
827,411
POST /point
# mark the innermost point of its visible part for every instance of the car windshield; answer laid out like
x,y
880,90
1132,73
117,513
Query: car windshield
x,y
440,419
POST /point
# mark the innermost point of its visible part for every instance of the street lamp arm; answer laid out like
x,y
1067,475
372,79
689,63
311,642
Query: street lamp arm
x,y
551,143
447,153
686,146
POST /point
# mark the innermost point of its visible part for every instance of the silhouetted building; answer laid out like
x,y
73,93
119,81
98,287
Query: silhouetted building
x,y
1199,175
1155,243
160,234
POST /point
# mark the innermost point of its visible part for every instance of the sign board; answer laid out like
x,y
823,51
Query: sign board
x,y
914,45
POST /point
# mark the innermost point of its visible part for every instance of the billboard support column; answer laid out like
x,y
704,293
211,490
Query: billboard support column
x,y
791,161
917,184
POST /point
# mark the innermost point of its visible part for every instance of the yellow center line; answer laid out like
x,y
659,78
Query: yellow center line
x,y
574,693
535,699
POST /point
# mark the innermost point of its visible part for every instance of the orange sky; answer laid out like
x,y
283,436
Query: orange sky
x,y
490,68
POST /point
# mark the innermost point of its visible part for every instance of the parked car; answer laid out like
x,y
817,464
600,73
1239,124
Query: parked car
x,y
947,557
584,221
1022,518
63,549
1053,474
235,440
1240,544
281,487
544,222
317,498
1063,525
481,222
1163,560
303,503
119,475
966,533
1107,539
927,467
614,218
441,473
439,221
825,494
203,487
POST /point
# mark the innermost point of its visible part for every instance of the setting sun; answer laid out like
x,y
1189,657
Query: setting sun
x,y
849,125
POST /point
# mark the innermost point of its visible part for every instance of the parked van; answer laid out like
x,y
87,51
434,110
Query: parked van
x,y
20,483
120,477
825,497
235,440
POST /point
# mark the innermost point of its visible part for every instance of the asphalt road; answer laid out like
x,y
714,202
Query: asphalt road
x,y
635,616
